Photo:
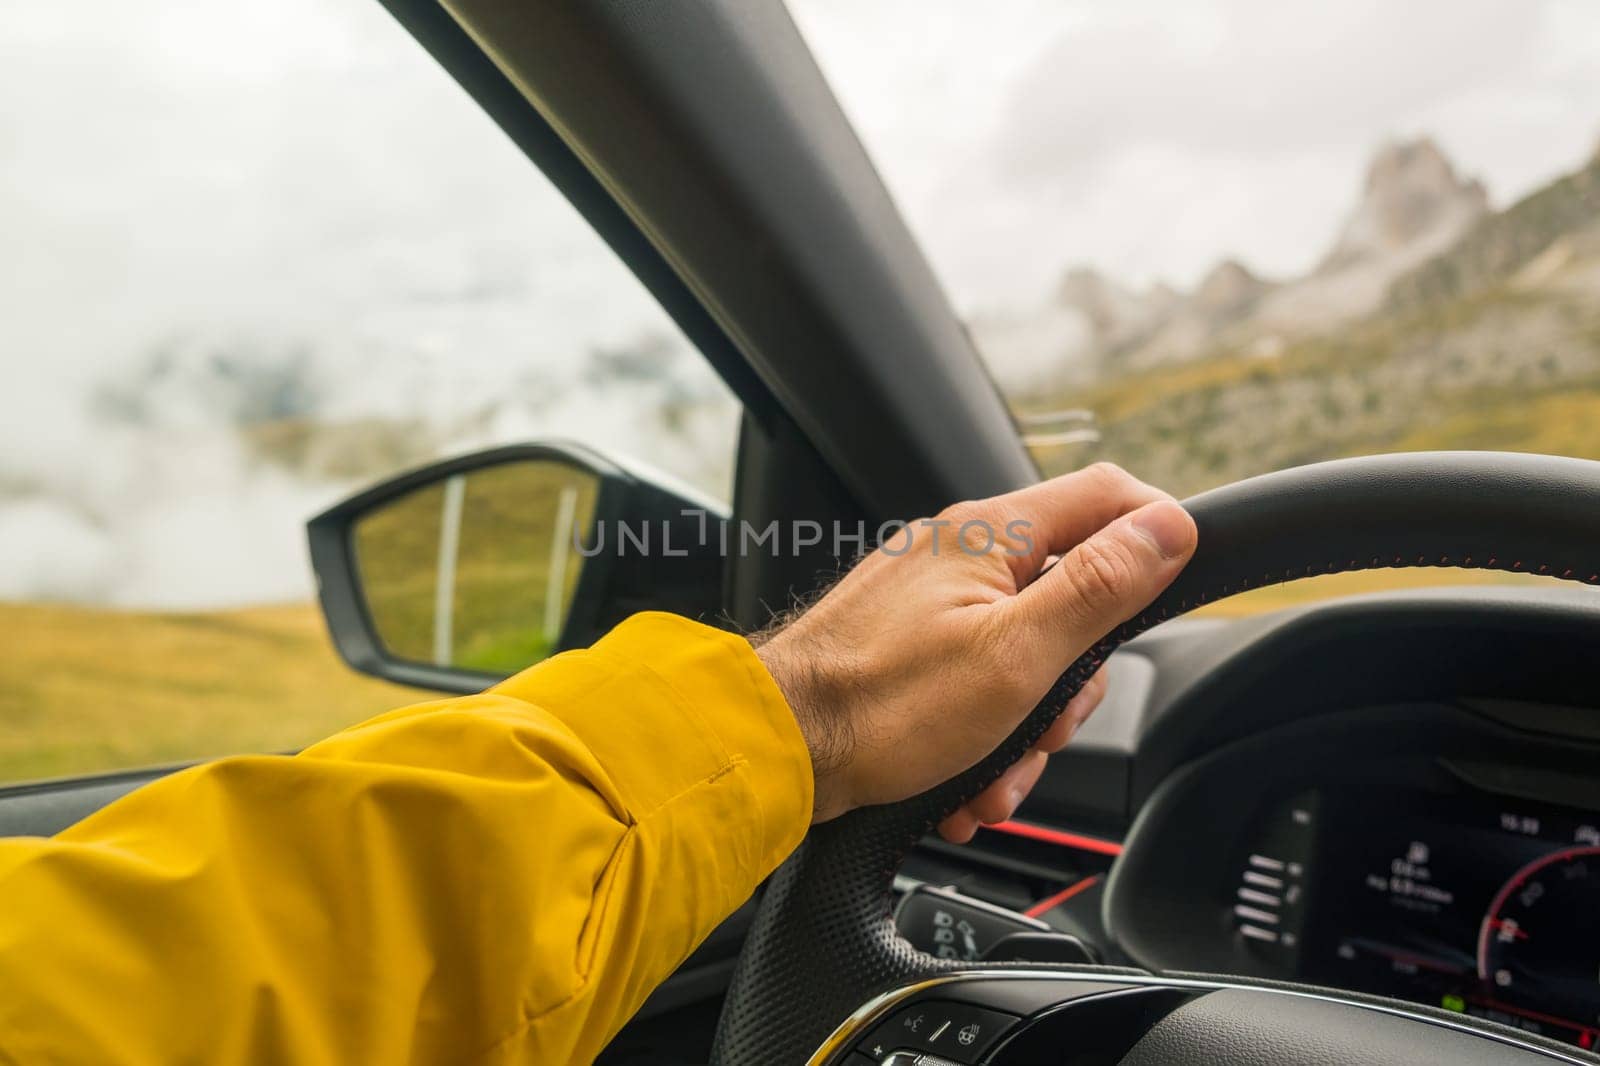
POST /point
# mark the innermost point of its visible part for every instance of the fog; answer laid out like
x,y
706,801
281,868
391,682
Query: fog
x,y
210,203
221,214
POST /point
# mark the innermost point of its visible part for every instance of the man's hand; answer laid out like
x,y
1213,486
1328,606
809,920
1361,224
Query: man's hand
x,y
931,651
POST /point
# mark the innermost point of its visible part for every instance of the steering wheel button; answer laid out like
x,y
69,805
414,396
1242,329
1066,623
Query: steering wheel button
x,y
959,1032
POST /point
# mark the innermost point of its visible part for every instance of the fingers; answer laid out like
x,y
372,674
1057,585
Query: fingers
x,y
997,802
1001,799
1061,512
1076,713
960,826
1102,582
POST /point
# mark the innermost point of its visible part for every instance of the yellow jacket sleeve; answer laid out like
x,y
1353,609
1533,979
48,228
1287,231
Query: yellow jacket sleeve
x,y
499,878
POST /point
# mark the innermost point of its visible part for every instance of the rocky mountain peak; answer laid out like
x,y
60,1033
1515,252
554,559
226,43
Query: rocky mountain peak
x,y
1115,315
1412,202
1083,286
1230,284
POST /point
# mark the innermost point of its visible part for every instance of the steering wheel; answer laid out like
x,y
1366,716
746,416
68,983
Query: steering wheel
x,y
823,944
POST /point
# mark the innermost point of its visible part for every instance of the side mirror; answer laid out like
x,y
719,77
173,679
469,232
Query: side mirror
x,y
459,574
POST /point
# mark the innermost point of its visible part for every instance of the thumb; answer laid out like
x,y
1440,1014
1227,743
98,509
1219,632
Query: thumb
x,y
1104,581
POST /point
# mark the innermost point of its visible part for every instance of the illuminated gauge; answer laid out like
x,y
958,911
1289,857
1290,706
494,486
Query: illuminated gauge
x,y
1539,947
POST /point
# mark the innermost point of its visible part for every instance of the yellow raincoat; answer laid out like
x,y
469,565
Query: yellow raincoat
x,y
500,878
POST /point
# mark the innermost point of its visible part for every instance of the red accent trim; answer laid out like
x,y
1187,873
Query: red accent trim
x,y
1050,903
1058,837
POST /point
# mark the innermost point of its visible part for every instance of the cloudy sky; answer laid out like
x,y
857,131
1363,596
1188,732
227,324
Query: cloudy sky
x,y
297,178
283,181
1151,139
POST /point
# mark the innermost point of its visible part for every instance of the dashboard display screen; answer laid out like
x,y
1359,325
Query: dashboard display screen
x,y
1485,906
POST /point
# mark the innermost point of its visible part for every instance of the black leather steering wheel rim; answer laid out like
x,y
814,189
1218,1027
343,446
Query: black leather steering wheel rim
x,y
823,940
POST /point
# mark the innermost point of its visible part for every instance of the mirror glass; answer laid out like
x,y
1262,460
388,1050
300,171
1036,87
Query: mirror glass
x,y
477,571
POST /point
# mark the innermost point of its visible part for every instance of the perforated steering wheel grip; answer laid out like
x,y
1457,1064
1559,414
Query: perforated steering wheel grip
x,y
823,941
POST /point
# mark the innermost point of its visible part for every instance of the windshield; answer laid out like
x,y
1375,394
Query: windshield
x,y
1211,240
261,257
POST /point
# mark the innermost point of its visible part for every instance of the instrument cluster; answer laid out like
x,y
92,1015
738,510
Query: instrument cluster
x,y
1470,902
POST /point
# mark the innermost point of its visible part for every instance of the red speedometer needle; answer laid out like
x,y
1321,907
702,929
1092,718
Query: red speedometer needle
x,y
1517,932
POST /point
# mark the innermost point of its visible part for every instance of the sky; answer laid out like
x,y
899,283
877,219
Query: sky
x,y
298,181
298,172
1151,140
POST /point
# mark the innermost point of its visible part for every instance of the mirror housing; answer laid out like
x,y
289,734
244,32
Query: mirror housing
x,y
639,543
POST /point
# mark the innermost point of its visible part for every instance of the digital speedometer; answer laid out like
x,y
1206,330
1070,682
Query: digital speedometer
x,y
1539,944
1469,901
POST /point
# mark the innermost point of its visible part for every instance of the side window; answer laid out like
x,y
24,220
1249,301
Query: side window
x,y
260,256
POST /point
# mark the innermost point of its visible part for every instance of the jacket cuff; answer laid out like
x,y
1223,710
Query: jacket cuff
x,y
668,705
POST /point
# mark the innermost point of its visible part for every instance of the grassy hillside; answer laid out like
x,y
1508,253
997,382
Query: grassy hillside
x,y
83,690
1505,369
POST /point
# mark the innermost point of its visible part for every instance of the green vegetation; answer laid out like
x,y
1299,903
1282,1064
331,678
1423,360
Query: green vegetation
x,y
507,525
84,689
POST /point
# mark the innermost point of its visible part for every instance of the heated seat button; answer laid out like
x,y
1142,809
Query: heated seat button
x,y
959,1032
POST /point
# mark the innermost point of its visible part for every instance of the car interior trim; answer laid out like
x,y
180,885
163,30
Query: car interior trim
x,y
880,1006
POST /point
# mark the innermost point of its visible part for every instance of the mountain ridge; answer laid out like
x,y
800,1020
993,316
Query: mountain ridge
x,y
1492,341
1413,205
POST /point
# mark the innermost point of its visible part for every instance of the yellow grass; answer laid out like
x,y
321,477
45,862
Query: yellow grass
x,y
1558,423
1329,586
84,690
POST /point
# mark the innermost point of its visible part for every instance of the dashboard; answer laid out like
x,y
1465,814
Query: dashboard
x,y
1397,796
